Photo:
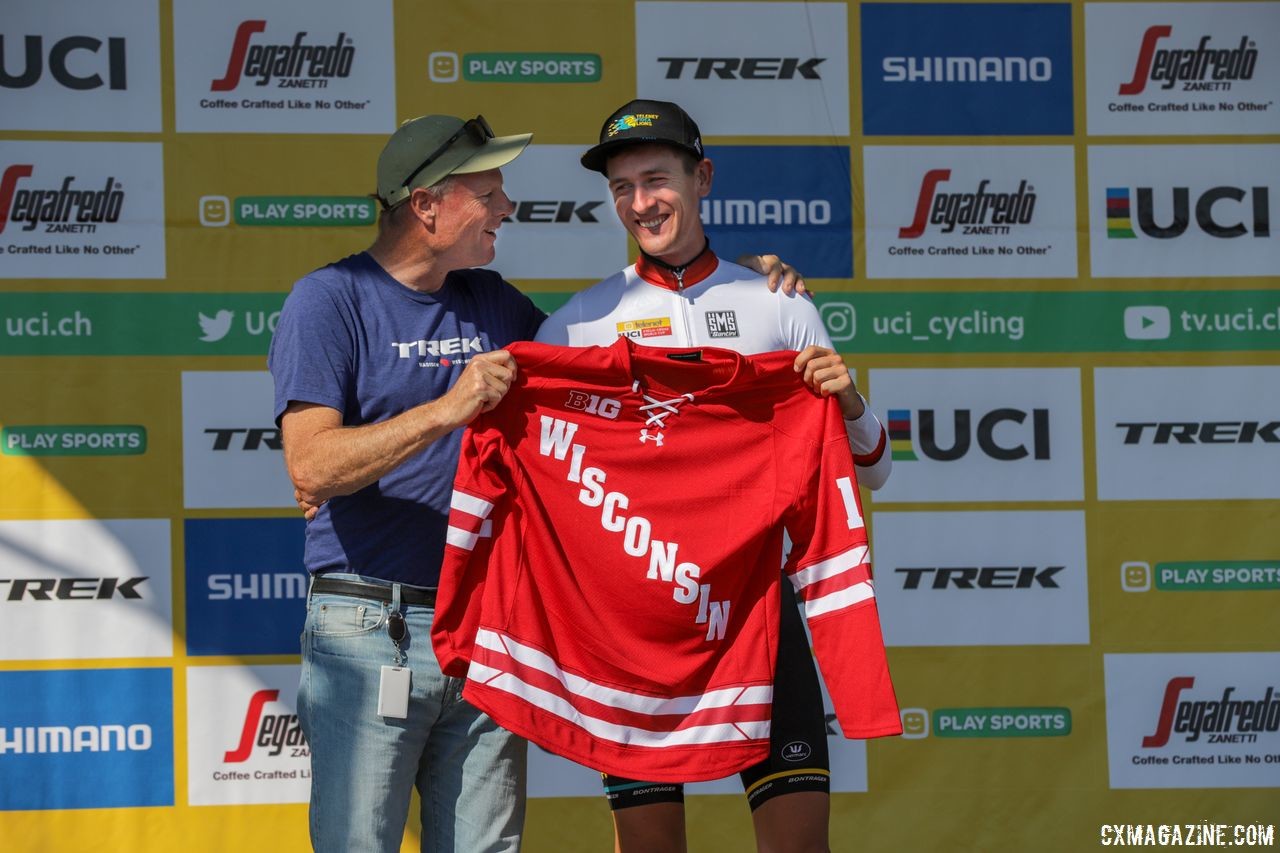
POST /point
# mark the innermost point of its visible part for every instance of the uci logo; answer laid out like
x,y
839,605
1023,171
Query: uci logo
x,y
797,750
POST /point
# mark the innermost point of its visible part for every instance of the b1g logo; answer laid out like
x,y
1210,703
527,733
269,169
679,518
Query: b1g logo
x,y
1223,212
594,404
964,435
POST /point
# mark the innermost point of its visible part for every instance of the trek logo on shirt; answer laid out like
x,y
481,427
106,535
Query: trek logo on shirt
x,y
722,324
652,327
448,352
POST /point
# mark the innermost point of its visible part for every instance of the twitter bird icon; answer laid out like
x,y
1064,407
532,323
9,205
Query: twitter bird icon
x,y
215,328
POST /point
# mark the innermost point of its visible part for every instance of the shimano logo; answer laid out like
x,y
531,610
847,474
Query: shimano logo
x,y
255,438
735,68
448,346
259,587
554,211
1195,432
978,212
65,61
984,577
765,211
71,589
36,740
293,66
1199,69
61,210
967,69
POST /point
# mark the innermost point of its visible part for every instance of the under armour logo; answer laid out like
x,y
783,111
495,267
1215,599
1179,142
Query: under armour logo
x,y
655,437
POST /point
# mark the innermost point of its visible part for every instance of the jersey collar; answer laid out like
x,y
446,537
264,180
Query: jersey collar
x,y
662,274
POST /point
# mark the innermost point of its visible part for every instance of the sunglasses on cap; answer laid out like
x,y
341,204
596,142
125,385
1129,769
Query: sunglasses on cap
x,y
476,128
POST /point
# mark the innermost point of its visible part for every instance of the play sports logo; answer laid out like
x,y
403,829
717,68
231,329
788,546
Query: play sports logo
x,y
445,66
320,67
1183,68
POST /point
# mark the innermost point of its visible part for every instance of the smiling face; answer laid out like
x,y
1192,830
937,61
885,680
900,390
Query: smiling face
x,y
468,216
657,199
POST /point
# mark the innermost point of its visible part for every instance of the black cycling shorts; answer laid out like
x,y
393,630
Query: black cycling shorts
x,y
798,758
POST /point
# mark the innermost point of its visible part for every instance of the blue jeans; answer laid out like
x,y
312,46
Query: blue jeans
x,y
469,772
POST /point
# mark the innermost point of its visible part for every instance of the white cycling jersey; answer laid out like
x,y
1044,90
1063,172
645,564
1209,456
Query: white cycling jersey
x,y
708,302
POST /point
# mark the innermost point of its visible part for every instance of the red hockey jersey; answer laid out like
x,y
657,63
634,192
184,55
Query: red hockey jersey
x,y
609,583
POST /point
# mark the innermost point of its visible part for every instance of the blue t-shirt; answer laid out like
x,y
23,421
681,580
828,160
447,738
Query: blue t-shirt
x,y
354,339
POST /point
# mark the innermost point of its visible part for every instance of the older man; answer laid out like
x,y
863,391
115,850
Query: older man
x,y
378,359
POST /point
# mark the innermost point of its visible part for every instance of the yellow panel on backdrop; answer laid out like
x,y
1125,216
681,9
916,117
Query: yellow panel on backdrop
x,y
89,439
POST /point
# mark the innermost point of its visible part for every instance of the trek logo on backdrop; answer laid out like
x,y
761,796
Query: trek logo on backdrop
x,y
1029,441
970,212
971,69
979,577
268,733
68,209
1182,68
1197,210
70,589
983,578
245,438
551,212
979,212
245,585
1223,445
318,67
1222,211
795,198
766,68
82,727
79,62
1200,432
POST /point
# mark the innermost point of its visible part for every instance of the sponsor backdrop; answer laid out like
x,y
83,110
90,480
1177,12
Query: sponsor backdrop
x,y
1047,235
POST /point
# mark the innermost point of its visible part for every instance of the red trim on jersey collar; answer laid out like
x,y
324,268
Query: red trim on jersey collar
x,y
658,272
